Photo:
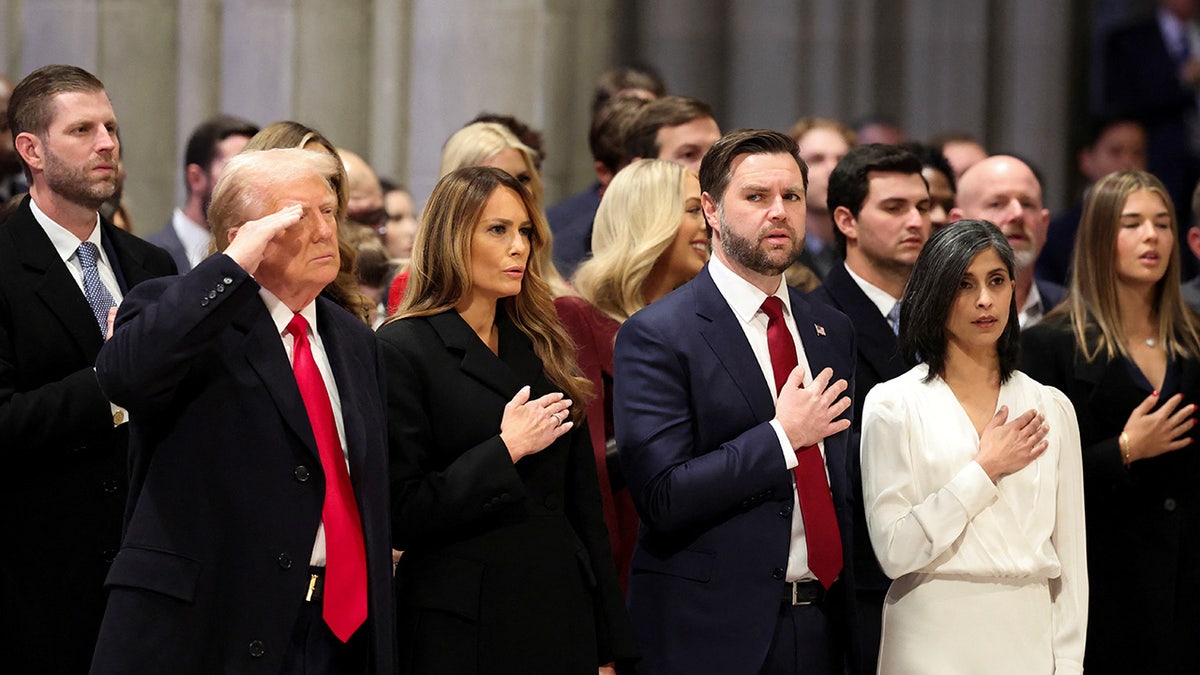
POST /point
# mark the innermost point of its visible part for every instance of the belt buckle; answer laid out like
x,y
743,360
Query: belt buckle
x,y
795,601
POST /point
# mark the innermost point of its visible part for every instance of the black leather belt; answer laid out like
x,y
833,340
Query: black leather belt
x,y
316,585
797,593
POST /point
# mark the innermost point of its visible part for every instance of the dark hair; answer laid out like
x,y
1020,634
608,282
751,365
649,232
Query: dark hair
x,y
606,137
1096,127
621,78
943,139
716,168
669,111
202,144
850,181
29,106
933,285
524,133
932,158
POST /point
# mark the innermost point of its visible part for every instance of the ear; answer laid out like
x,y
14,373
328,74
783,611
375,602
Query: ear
x,y
845,222
709,206
1193,240
196,178
29,146
955,214
603,175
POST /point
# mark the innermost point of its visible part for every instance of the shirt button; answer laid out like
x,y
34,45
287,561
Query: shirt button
x,y
257,649
301,473
285,561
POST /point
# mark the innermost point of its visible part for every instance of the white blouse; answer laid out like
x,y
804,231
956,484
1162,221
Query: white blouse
x,y
931,508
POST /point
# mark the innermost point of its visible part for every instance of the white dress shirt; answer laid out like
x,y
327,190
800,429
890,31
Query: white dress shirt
x,y
67,246
282,316
746,301
195,237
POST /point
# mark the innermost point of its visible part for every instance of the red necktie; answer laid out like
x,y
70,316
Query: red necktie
x,y
816,503
345,598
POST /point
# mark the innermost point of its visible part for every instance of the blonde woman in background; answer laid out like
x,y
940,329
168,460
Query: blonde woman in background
x,y
649,238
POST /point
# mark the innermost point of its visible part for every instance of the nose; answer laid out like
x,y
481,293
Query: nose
x,y
1149,231
776,210
323,227
520,246
105,140
984,299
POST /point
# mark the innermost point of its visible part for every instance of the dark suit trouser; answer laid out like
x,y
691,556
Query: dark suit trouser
x,y
806,638
315,650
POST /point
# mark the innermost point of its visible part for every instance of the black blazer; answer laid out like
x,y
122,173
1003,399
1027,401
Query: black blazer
x,y
506,568
227,487
1143,523
62,506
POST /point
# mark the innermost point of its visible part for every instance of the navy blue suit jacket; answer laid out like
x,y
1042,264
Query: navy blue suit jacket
x,y
168,240
708,477
571,222
226,485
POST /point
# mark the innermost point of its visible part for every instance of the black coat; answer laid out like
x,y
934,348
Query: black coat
x,y
65,461
506,568
226,481
1143,522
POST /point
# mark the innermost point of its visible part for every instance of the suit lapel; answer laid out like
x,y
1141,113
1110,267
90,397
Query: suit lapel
x,y
351,373
53,284
876,341
263,349
478,361
721,330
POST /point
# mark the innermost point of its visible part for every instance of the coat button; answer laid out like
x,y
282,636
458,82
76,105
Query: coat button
x,y
257,649
227,280
487,506
109,554
551,502
777,573
204,302
212,295
111,486
301,473
285,561
1169,504
785,512
506,498
220,288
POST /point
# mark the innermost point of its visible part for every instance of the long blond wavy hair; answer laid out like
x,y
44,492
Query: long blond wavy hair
x,y
637,220
1093,304
441,272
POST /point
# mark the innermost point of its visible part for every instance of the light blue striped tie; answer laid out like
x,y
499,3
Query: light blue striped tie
x,y
93,289
894,319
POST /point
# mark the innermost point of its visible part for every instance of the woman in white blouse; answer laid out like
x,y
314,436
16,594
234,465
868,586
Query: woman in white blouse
x,y
972,480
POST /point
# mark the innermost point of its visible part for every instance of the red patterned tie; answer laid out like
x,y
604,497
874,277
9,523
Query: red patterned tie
x,y
345,598
816,503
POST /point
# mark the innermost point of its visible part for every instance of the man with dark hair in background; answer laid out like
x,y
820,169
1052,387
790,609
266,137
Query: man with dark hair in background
x,y
880,206
675,128
62,268
186,236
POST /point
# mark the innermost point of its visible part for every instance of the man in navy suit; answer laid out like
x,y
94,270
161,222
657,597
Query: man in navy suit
x,y
186,236
64,443
1004,191
257,529
737,570
880,207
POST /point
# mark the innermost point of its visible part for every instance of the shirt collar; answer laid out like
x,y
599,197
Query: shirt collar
x,y
878,297
743,297
191,234
1032,309
281,315
65,243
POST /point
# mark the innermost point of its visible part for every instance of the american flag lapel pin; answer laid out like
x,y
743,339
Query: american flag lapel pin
x,y
820,329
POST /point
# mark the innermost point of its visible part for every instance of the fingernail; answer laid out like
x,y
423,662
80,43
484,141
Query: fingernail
x,y
1154,393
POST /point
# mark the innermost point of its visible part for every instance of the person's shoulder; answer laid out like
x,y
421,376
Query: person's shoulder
x,y
407,333
1052,328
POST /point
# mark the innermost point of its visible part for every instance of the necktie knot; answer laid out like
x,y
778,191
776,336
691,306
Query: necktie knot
x,y
88,255
773,308
298,328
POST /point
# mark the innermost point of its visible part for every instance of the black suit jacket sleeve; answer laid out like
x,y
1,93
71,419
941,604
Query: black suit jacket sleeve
x,y
144,362
1048,355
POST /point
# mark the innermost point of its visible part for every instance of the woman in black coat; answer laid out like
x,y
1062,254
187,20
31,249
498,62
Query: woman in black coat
x,y
1126,350
496,505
